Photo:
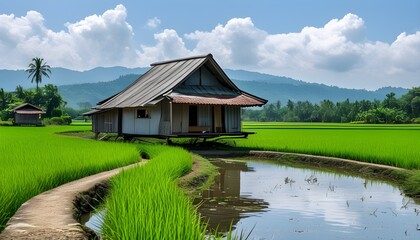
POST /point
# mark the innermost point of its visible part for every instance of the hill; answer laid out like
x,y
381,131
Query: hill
x,y
99,83
270,87
9,79
94,92
312,92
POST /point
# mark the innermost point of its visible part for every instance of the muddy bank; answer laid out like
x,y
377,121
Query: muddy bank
x,y
49,215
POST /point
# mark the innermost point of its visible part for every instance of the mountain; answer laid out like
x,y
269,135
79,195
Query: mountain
x,y
9,79
99,83
260,77
94,92
312,92
284,90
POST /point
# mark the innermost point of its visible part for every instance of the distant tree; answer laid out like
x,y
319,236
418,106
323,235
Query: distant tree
x,y
20,93
36,69
290,104
327,111
410,102
390,101
303,111
52,99
3,99
415,106
278,104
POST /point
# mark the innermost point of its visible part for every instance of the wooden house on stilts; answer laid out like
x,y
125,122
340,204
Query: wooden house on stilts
x,y
190,97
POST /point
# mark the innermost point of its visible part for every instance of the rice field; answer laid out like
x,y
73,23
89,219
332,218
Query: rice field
x,y
35,159
395,145
146,203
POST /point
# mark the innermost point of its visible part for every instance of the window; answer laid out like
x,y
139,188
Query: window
x,y
142,113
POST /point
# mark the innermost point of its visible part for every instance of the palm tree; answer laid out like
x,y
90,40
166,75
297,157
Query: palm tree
x,y
36,69
20,93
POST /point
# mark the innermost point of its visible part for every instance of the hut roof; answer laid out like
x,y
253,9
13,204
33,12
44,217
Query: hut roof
x,y
28,108
161,80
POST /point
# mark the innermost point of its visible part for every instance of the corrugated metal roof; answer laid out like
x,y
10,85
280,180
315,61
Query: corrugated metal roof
x,y
91,112
159,80
164,79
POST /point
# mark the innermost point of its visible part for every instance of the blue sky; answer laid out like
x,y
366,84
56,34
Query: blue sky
x,y
356,44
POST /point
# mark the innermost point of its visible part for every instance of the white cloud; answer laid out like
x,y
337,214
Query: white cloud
x,y
153,22
337,53
236,43
169,46
104,40
337,46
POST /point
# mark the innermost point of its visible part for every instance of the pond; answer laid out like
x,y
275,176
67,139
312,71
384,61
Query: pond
x,y
271,201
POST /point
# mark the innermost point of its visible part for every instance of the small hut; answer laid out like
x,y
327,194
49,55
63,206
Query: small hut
x,y
27,114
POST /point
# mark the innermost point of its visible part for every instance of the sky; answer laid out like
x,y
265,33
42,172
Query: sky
x,y
363,44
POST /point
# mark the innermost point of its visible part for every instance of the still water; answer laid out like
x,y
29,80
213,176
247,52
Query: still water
x,y
272,201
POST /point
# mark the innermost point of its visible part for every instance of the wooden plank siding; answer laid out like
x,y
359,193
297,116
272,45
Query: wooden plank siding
x,y
106,122
29,119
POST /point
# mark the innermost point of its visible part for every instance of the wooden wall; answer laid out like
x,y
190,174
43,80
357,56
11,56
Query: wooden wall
x,y
233,119
105,122
31,119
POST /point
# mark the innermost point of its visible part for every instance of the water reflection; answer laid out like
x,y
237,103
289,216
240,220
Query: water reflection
x,y
223,204
290,203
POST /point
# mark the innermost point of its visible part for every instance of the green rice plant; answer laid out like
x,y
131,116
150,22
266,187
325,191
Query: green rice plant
x,y
35,159
145,202
394,145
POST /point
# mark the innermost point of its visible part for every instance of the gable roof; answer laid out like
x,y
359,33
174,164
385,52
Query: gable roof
x,y
27,108
163,78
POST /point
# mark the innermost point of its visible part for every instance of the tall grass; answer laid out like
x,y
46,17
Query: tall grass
x,y
145,202
395,145
34,160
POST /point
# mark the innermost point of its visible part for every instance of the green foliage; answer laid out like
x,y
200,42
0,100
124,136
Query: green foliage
x,y
36,159
47,97
391,110
66,119
410,102
63,120
153,207
382,115
56,113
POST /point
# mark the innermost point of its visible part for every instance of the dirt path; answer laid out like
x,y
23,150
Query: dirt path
x,y
49,215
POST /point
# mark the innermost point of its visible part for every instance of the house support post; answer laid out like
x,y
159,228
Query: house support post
x,y
170,117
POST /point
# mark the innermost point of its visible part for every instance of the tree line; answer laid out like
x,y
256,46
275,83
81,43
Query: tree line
x,y
405,109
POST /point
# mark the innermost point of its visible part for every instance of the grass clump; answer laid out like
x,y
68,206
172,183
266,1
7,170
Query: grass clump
x,y
35,159
145,202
